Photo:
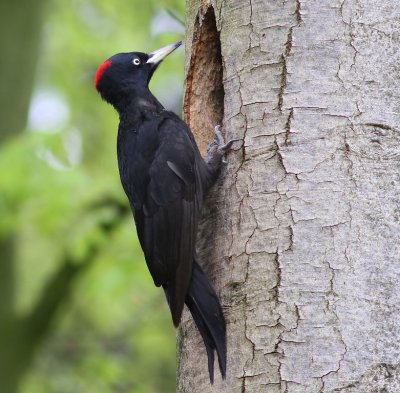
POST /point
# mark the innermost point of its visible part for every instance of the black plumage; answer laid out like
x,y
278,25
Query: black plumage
x,y
165,179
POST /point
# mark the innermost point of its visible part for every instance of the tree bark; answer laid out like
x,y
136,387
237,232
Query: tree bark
x,y
300,236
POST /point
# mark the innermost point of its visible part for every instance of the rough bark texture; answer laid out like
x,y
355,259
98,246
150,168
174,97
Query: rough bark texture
x,y
301,235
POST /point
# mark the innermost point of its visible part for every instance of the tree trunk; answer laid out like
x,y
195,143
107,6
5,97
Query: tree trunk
x,y
20,28
300,237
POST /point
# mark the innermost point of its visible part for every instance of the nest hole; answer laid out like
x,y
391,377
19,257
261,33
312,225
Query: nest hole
x,y
204,96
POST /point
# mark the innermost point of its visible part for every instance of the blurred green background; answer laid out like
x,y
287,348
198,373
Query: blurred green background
x,y
78,309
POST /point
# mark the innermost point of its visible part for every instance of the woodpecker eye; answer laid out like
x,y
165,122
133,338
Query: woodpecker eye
x,y
136,61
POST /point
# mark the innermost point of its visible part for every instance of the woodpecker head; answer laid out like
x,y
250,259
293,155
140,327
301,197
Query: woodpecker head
x,y
127,74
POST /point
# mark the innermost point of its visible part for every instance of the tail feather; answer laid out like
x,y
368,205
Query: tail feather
x,y
206,310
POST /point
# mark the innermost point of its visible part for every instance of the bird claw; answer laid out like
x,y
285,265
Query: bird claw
x,y
219,137
218,146
222,146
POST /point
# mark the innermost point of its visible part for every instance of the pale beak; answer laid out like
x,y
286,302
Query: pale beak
x,y
158,55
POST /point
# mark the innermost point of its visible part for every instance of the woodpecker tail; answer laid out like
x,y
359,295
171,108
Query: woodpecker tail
x,y
206,310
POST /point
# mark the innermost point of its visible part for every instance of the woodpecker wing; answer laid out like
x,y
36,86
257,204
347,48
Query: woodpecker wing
x,y
168,217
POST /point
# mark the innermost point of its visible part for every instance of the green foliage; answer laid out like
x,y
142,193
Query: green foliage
x,y
114,334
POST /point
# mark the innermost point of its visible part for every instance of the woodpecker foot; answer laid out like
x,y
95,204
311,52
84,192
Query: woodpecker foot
x,y
218,147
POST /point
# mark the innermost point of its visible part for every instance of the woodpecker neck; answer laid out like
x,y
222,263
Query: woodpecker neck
x,y
137,107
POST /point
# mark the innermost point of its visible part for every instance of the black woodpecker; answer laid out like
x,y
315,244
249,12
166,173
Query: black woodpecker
x,y
165,179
